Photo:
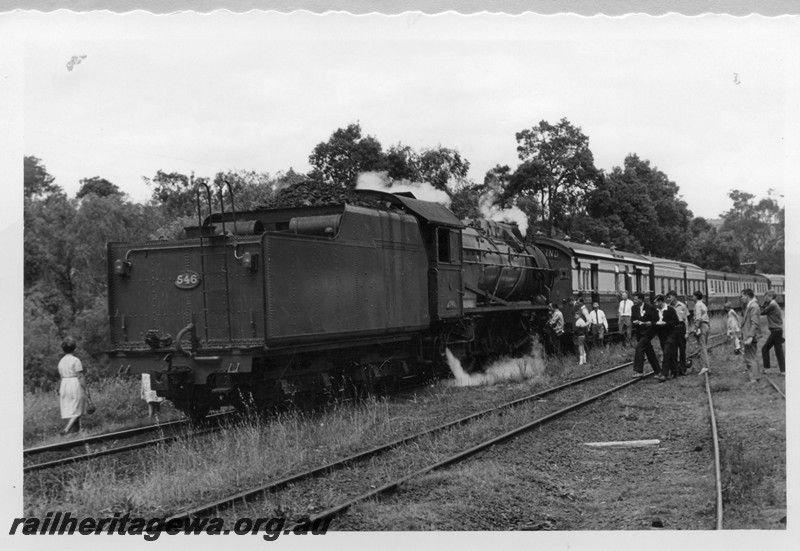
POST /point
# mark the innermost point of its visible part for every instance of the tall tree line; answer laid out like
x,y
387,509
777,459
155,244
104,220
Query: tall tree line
x,y
634,207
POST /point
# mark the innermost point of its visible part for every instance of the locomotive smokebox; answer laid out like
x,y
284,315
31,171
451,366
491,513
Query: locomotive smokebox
x,y
499,268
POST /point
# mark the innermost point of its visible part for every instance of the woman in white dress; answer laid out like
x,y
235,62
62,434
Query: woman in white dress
x,y
73,387
149,395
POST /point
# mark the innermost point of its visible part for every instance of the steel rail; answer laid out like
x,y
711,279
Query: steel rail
x,y
717,470
119,435
392,486
253,493
248,495
112,451
775,386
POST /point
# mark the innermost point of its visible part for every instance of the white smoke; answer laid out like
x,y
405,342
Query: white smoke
x,y
502,370
490,211
379,181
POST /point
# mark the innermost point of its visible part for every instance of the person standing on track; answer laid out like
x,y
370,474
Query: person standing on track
x,y
642,317
681,329
775,325
751,322
701,327
624,316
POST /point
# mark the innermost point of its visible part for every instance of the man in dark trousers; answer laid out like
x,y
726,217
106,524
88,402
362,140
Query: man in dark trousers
x,y
681,330
666,320
775,325
643,325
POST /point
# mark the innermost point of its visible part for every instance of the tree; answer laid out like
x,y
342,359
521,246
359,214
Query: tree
x,y
37,181
344,156
465,200
439,166
758,228
647,203
250,188
609,231
710,249
47,241
288,178
176,193
97,185
41,348
557,168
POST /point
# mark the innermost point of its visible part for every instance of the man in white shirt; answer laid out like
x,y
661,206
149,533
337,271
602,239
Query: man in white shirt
x,y
599,324
624,316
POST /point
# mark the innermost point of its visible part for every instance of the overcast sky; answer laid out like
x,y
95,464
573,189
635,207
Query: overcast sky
x,y
710,101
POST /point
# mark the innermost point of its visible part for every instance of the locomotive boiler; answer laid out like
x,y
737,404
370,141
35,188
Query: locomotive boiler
x,y
270,304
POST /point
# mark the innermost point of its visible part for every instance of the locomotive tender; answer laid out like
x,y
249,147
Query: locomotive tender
x,y
271,303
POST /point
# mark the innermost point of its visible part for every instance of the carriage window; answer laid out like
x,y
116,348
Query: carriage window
x,y
586,281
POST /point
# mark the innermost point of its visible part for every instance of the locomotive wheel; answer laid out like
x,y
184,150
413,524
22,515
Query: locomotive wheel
x,y
195,410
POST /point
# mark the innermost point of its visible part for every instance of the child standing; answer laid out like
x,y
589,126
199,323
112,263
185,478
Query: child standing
x,y
579,330
734,328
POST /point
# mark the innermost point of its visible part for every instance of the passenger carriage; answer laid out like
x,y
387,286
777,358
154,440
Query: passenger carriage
x,y
727,287
597,273
683,277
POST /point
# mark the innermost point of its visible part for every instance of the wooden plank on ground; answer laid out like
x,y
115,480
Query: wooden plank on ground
x,y
623,444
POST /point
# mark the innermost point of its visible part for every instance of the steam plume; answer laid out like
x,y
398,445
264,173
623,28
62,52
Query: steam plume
x,y
490,211
422,190
504,369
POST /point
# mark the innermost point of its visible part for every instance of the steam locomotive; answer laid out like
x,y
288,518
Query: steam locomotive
x,y
270,304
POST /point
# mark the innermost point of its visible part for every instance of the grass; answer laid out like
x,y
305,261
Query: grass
x,y
118,406
744,473
194,469
169,477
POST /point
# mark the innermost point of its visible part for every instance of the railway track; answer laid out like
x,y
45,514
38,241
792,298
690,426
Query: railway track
x,y
717,469
59,454
775,386
715,441
275,486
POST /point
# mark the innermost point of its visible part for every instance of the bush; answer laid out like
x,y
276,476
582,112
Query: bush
x,y
41,346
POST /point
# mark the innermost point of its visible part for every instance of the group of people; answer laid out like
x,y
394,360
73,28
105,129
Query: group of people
x,y
745,330
669,321
74,398
585,324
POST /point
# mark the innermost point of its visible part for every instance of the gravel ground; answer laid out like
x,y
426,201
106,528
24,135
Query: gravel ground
x,y
550,480
311,497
